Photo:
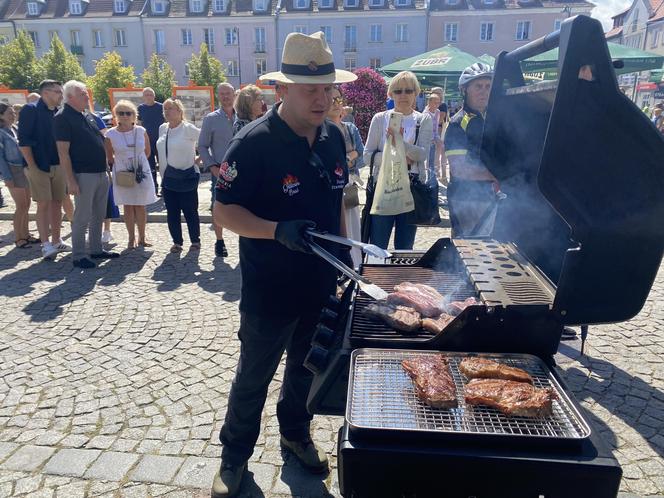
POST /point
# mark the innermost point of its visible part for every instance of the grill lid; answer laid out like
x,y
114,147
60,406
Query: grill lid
x,y
580,165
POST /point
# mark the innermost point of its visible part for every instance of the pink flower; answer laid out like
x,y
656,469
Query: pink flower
x,y
367,95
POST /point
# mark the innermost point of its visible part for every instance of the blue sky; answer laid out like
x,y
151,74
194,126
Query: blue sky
x,y
606,8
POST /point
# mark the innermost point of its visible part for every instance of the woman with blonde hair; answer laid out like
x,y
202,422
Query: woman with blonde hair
x,y
127,151
248,106
417,132
180,174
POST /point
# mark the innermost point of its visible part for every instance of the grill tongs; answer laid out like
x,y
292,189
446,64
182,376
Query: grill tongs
x,y
369,249
365,285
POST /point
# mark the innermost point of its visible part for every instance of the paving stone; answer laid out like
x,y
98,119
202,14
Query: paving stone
x,y
112,466
73,490
156,468
27,485
6,449
71,462
28,458
197,472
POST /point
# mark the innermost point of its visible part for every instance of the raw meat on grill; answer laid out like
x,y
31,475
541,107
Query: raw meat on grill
x,y
482,368
433,382
426,300
456,307
400,317
436,325
509,397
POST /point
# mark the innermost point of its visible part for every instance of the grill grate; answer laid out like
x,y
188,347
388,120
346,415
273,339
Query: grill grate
x,y
453,285
381,396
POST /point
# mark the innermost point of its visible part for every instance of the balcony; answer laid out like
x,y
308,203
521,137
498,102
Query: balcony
x,y
76,49
350,47
259,48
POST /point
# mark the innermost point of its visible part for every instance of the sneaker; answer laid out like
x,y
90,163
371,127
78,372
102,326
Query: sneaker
x,y
106,237
105,255
49,250
62,247
84,263
220,249
227,480
310,457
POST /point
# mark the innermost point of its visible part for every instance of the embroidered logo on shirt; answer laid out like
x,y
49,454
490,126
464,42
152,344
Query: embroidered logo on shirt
x,y
339,171
291,185
228,173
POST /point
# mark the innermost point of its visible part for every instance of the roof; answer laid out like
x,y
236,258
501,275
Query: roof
x,y
17,9
614,32
287,6
443,5
658,14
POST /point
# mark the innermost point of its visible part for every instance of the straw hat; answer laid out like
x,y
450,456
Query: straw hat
x,y
308,59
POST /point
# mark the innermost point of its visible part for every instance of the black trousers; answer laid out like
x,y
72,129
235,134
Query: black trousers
x,y
152,161
263,342
187,204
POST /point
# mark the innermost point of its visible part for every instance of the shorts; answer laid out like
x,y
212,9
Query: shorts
x,y
51,186
18,176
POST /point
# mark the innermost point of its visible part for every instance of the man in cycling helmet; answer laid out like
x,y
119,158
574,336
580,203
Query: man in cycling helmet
x,y
472,187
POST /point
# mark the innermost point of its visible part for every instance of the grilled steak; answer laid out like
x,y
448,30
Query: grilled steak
x,y
509,397
481,368
400,317
433,382
426,300
456,307
436,325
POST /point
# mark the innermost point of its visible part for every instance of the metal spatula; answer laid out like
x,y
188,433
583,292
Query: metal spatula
x,y
365,285
370,249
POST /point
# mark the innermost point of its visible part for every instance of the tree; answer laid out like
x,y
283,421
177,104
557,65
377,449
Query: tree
x,y
205,70
110,73
60,64
19,67
160,76
366,95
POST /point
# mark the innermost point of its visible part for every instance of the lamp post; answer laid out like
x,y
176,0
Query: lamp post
x,y
236,31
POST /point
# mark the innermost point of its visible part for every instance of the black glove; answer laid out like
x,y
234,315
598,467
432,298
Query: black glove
x,y
292,234
345,258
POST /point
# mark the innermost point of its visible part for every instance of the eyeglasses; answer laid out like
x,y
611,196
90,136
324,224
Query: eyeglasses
x,y
125,113
337,100
407,91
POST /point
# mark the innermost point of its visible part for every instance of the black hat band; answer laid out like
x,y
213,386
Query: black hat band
x,y
311,69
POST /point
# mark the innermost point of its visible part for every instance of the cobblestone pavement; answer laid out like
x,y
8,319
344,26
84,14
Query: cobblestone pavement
x,y
113,382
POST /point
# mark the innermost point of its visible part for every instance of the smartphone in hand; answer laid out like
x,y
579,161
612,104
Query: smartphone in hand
x,y
395,122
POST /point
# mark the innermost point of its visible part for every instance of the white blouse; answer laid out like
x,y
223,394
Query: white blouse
x,y
181,146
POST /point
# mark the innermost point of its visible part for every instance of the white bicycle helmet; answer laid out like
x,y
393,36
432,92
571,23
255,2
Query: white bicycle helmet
x,y
476,71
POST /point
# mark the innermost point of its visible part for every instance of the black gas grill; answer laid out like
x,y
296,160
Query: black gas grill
x,y
578,240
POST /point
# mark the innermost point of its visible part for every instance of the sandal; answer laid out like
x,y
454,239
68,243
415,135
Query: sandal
x,y
176,248
22,243
33,240
144,244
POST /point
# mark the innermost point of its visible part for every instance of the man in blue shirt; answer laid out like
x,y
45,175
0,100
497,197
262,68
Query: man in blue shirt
x,y
150,117
46,178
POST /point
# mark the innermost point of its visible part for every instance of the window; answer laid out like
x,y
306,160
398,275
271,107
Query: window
x,y
208,38
97,38
186,37
327,31
300,29
375,3
325,4
259,38
52,34
556,24
196,5
186,70
376,33
230,36
451,31
35,37
350,63
374,62
75,7
401,33
159,41
120,37
635,19
350,3
232,68
260,5
261,67
119,6
523,30
158,6
452,2
219,6
402,3
75,37
33,9
4,40
655,39
300,4
486,31
350,39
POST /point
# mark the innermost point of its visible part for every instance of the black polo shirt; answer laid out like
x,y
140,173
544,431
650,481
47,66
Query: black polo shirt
x,y
86,143
272,172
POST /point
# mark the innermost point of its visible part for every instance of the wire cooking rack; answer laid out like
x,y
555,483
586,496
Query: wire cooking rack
x,y
381,396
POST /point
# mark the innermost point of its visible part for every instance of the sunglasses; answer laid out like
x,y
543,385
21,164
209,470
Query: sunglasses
x,y
337,100
125,113
407,91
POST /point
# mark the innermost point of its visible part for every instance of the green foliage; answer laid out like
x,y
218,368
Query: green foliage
x,y
205,70
19,67
60,64
160,76
110,73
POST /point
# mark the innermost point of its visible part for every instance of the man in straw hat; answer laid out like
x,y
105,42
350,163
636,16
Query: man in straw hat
x,y
283,174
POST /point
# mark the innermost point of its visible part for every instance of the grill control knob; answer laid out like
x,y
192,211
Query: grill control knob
x,y
333,303
328,317
316,360
324,336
